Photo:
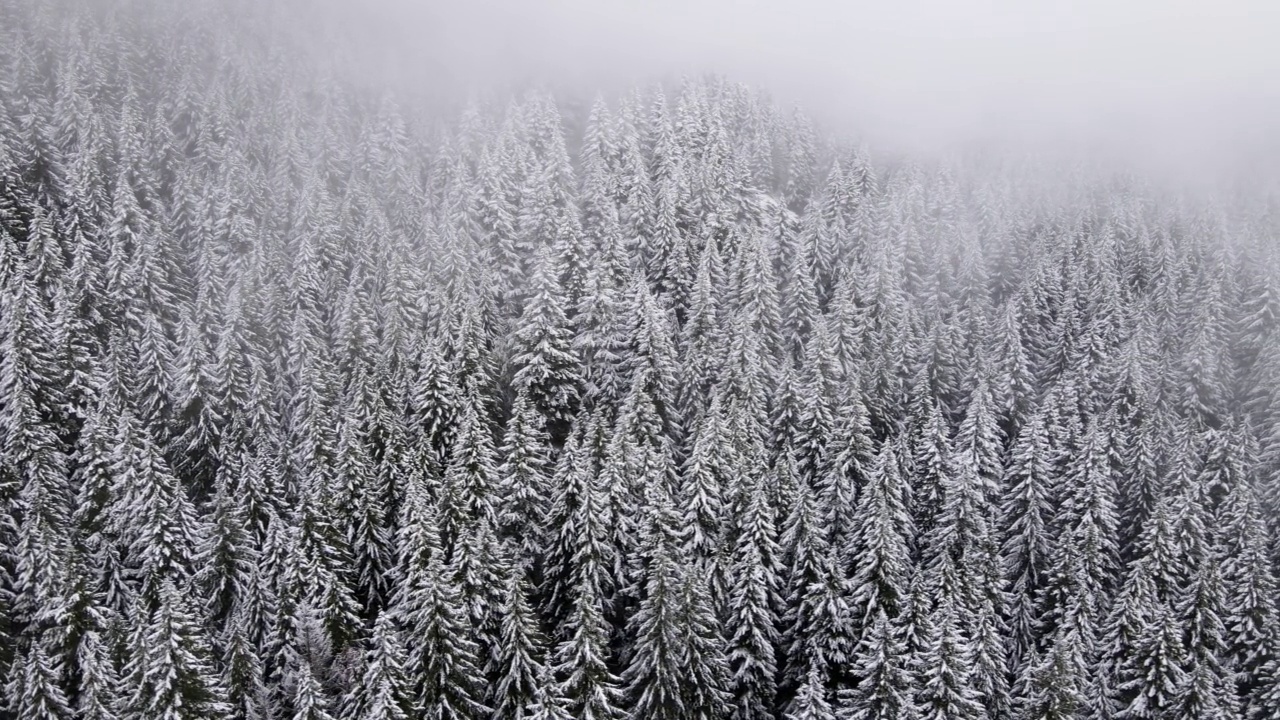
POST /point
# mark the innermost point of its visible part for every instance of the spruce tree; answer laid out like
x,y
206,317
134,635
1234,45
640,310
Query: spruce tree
x,y
171,673
517,660
546,367
753,602
590,689
442,664
382,692
35,689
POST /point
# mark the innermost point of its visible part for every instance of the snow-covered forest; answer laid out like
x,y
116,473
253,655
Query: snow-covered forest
x,y
657,405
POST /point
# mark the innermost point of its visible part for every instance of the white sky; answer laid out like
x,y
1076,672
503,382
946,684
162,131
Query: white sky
x,y
1172,77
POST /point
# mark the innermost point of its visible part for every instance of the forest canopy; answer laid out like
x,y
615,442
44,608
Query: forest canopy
x,y
659,404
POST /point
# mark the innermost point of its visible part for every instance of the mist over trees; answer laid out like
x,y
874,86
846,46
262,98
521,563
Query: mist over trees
x,y
656,405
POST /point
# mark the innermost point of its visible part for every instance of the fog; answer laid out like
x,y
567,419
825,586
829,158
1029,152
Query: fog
x,y
1182,84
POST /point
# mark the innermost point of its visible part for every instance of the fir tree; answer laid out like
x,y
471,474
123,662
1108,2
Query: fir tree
x,y
382,692
35,690
517,659
547,369
581,659
170,673
442,665
811,702
753,602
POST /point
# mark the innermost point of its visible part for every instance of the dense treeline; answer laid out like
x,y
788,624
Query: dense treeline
x,y
663,407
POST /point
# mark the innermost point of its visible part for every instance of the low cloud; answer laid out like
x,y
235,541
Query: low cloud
x,y
1182,85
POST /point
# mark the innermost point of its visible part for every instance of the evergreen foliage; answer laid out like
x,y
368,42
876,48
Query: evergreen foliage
x,y
665,407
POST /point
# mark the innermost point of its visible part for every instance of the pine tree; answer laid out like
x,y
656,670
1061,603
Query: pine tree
x,y
654,675
885,686
600,339
323,563
1144,652
702,341
962,549
309,701
99,696
1027,511
1252,622
932,464
849,456
1153,678
152,515
1053,688
816,620
1210,689
706,473
707,680
579,550
1085,571
978,442
227,554
479,567
365,493
32,463
470,478
882,531
547,704
242,670
433,405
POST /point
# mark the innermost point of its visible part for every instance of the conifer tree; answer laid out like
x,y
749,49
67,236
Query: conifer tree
x,y
932,464
706,684
309,701
382,692
153,516
1252,625
1153,678
580,550
470,477
811,702
517,661
706,473
35,689
99,693
945,667
590,689
442,664
170,673
753,602
1210,689
546,367
882,531
242,670
654,675
1084,571
815,621
1027,512
525,480
1053,687
884,686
